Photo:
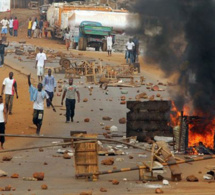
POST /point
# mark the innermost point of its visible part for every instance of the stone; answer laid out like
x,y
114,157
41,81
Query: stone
x,y
151,98
130,157
45,163
44,187
7,188
155,88
7,158
108,161
106,118
107,128
123,102
41,149
86,120
122,120
60,90
85,100
158,191
103,190
192,178
38,175
66,156
86,193
158,95
115,182
15,175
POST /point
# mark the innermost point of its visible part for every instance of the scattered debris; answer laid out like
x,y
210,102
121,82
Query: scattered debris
x,y
7,188
192,178
103,190
122,120
165,182
41,149
158,191
15,175
108,161
85,100
86,120
115,182
86,193
66,156
114,129
44,187
106,118
38,175
2,173
29,179
7,158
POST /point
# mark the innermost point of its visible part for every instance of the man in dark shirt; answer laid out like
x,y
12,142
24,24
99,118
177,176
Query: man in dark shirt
x,y
41,28
2,51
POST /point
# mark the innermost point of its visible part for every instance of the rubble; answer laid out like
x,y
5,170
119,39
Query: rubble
x,y
103,190
114,129
115,182
7,158
66,156
7,188
38,175
85,100
15,175
108,161
158,191
86,193
122,120
106,118
192,178
86,120
44,187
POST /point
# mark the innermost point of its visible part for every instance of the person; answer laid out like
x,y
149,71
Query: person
x,y
29,27
41,28
37,96
15,26
11,26
34,25
8,87
69,93
46,25
129,51
109,44
40,64
4,23
67,39
49,84
136,48
2,52
3,121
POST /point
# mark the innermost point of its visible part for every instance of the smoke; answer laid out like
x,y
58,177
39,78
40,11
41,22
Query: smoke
x,y
180,36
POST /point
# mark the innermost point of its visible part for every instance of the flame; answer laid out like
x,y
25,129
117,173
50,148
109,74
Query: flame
x,y
200,129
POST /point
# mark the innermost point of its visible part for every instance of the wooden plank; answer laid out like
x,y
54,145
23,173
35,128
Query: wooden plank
x,y
161,106
148,116
175,170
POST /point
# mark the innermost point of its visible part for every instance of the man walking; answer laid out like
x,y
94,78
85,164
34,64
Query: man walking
x,y
8,87
40,64
15,26
37,96
2,52
49,83
3,121
130,51
109,44
11,26
69,92
41,28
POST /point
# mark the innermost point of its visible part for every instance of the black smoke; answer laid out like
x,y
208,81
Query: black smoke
x,y
185,43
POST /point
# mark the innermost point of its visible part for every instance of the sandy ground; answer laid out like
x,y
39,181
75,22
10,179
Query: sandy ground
x,y
59,173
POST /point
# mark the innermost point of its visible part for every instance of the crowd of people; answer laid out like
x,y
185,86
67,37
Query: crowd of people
x,y
11,24
37,27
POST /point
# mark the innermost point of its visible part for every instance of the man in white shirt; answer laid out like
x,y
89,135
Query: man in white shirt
x,y
40,64
11,26
9,87
3,120
109,44
4,23
129,51
38,96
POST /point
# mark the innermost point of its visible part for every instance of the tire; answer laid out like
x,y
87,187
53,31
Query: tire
x,y
85,44
81,43
104,45
97,48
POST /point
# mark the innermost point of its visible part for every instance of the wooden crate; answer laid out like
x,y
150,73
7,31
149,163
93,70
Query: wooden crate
x,y
86,156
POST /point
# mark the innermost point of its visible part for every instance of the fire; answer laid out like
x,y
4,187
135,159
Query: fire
x,y
200,128
202,132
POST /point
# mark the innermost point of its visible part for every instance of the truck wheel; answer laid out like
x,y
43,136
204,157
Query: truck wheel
x,y
97,48
81,43
104,45
85,44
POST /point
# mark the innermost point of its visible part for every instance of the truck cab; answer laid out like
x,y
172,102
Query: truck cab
x,y
92,34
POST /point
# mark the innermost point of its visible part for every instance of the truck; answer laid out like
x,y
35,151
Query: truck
x,y
91,34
